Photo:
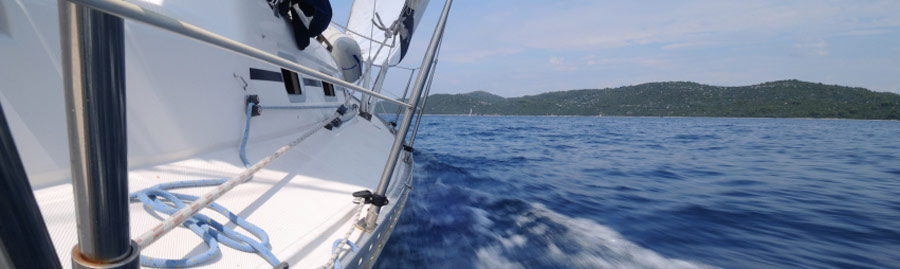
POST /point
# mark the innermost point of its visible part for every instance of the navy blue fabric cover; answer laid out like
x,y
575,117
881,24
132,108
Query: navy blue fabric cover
x,y
320,10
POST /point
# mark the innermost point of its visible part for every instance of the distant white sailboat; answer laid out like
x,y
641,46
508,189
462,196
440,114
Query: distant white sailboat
x,y
256,127
470,112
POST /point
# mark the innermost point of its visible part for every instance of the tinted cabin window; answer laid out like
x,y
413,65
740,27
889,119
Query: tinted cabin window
x,y
329,89
291,82
311,82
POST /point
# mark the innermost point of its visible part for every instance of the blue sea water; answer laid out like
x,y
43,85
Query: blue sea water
x,y
579,192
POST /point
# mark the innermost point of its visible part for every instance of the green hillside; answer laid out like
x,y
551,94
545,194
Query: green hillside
x,y
788,98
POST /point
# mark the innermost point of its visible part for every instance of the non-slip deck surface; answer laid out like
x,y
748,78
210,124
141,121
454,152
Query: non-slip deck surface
x,y
302,200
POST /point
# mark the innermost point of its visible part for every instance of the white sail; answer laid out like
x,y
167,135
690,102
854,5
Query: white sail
x,y
400,17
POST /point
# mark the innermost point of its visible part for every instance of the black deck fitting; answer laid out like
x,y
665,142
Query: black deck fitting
x,y
366,115
370,198
253,99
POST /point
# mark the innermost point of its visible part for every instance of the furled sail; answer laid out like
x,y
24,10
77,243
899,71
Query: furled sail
x,y
370,20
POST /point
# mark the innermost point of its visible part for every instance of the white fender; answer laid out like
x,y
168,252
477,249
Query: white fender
x,y
347,55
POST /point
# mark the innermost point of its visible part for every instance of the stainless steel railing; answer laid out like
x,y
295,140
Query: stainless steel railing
x,y
400,136
137,13
85,68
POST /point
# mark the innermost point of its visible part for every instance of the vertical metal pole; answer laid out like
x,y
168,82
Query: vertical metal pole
x,y
24,240
93,60
400,136
405,91
412,139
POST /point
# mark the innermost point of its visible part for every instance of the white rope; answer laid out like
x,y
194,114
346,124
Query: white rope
x,y
388,31
346,238
185,213
347,30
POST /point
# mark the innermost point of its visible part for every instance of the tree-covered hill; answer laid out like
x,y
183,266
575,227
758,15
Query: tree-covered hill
x,y
788,98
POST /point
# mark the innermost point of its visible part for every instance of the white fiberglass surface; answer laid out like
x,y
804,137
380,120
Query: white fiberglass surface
x,y
302,200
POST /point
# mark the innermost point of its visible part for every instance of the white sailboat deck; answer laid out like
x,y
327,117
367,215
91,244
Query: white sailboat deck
x,y
302,200
183,117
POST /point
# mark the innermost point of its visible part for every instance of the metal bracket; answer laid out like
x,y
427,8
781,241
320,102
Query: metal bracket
x,y
336,123
368,224
406,158
365,115
243,82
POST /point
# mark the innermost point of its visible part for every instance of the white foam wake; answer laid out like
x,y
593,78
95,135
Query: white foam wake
x,y
590,245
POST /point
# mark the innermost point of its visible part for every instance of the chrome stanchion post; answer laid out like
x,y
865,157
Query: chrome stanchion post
x,y
93,61
400,136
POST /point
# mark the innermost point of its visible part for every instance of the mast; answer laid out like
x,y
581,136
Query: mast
x,y
427,63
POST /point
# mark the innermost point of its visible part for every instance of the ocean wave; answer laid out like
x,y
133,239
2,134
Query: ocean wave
x,y
493,192
456,219
581,243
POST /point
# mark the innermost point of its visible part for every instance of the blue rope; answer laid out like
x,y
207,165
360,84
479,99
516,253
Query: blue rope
x,y
337,260
246,135
212,232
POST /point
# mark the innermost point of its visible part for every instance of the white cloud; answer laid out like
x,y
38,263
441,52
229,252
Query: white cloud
x,y
556,60
684,45
590,59
636,61
815,47
560,64
590,25
537,46
866,32
477,55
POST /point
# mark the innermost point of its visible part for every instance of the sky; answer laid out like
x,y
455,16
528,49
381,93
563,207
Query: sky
x,y
527,47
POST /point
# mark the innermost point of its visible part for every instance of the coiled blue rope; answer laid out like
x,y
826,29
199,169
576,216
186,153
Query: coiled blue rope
x,y
210,230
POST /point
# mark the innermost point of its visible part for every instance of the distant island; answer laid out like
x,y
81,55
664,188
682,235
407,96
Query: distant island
x,y
778,99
